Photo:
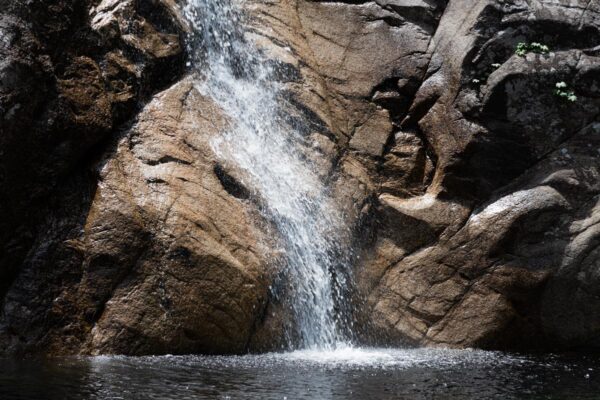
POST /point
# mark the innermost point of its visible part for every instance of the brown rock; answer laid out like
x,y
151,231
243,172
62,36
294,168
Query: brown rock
x,y
514,164
472,187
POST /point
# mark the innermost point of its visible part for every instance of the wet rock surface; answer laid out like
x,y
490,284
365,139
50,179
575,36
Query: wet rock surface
x,y
474,187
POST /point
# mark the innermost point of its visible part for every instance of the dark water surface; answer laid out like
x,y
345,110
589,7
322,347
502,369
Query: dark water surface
x,y
341,374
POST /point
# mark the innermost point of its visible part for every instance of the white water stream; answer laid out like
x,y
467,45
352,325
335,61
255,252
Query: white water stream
x,y
263,143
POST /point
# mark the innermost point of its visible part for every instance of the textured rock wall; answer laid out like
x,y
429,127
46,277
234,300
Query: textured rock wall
x,y
73,74
473,188
493,253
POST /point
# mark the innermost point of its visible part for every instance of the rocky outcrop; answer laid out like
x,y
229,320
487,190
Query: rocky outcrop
x,y
68,86
478,259
473,185
178,257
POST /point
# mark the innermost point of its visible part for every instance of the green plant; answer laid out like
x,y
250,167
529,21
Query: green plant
x,y
533,47
562,90
521,49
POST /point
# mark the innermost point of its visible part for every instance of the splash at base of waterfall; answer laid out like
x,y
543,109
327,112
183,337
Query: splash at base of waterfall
x,y
342,374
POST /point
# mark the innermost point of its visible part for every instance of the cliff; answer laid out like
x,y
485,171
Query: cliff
x,y
460,138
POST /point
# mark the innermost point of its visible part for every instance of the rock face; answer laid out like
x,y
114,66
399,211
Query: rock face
x,y
493,253
473,186
185,266
68,86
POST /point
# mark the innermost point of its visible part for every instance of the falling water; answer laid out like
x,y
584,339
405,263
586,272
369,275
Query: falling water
x,y
264,144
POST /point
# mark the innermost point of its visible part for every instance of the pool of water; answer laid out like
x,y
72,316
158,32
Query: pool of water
x,y
341,374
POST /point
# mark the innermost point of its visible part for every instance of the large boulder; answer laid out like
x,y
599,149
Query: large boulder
x,y
174,258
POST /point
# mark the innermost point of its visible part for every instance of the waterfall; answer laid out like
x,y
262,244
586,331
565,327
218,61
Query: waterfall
x,y
270,150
